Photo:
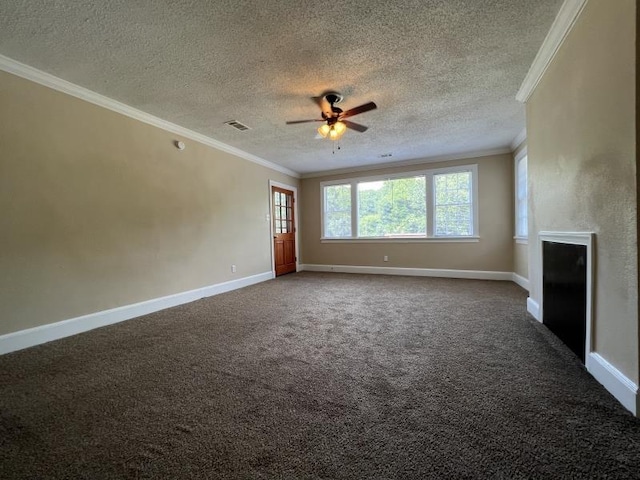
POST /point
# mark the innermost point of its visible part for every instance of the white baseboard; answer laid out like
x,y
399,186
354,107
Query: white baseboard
x,y
412,272
65,328
533,308
614,381
520,280
623,389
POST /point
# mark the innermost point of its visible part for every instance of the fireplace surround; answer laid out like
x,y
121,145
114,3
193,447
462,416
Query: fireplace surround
x,y
565,286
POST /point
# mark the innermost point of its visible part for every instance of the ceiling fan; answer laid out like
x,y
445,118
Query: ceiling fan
x,y
334,118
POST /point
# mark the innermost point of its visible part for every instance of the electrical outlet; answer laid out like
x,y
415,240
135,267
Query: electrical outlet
x,y
233,269
386,258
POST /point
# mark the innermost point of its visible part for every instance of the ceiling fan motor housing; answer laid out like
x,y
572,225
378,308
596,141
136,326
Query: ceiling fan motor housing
x,y
333,97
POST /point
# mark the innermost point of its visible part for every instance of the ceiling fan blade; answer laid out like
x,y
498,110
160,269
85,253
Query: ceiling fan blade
x,y
357,110
293,122
323,104
354,126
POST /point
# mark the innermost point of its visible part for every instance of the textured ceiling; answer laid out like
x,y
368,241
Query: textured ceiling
x,y
444,73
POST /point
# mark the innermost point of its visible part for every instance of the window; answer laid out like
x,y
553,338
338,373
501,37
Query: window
x,y
394,207
522,230
438,203
453,206
337,211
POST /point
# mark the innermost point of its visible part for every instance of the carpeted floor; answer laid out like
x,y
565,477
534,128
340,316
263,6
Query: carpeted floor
x,y
316,376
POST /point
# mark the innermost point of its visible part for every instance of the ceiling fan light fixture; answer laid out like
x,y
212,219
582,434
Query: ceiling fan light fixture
x,y
334,132
339,128
324,130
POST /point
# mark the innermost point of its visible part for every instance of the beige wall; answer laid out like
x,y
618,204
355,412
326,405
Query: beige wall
x,y
494,251
582,166
521,259
100,210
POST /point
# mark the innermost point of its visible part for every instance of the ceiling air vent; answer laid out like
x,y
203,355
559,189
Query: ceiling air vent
x,y
237,125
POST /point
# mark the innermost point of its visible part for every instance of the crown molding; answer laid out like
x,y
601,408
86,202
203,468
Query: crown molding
x,y
14,67
562,25
521,153
407,163
518,139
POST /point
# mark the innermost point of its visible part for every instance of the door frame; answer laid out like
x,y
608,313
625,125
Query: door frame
x,y
273,183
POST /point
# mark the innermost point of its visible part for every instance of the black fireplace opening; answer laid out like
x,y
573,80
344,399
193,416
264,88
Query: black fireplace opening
x,y
564,293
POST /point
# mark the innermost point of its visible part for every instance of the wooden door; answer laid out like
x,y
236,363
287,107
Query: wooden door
x,y
284,231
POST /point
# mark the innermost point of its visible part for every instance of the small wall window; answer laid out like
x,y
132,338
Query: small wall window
x,y
438,203
522,230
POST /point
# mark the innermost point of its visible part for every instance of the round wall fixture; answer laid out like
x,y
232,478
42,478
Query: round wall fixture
x,y
179,145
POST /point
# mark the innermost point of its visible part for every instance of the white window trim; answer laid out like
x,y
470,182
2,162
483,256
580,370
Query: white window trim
x,y
474,198
520,155
429,198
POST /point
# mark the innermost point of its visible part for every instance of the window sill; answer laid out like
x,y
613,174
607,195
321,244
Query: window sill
x,y
521,240
402,240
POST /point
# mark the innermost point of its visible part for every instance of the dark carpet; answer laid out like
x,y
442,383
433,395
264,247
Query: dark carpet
x,y
316,376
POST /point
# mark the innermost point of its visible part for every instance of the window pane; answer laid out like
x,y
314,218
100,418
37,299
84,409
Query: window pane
x,y
453,204
394,207
337,211
521,198
453,220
